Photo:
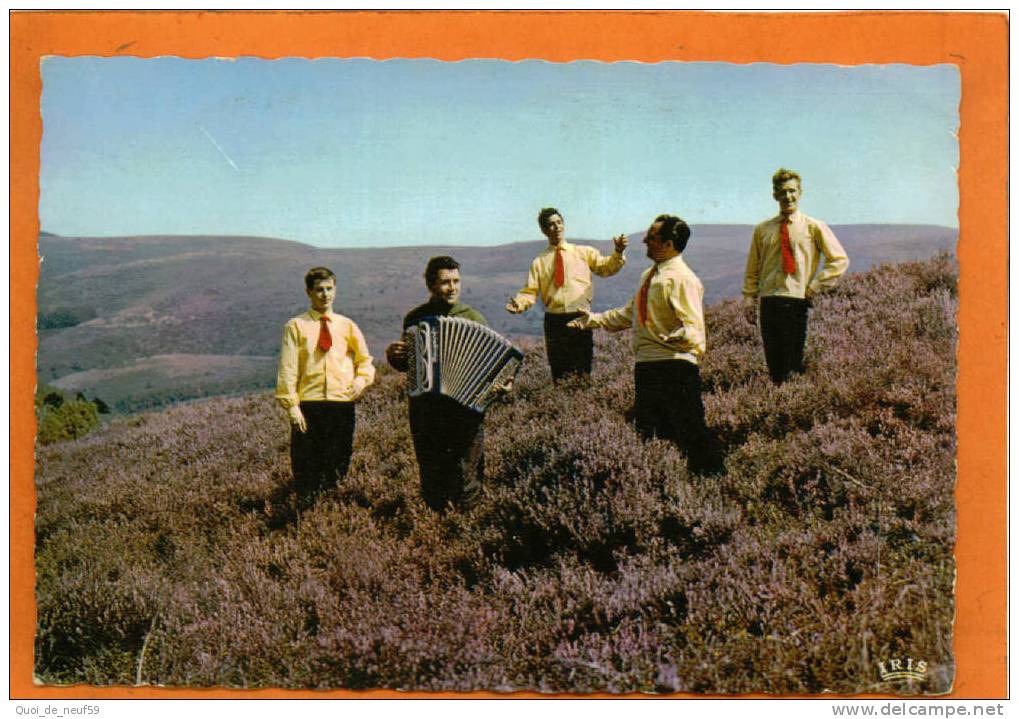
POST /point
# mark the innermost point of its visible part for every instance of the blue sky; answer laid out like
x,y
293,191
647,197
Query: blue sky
x,y
364,153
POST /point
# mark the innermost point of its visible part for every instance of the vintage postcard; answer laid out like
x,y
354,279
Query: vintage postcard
x,y
702,331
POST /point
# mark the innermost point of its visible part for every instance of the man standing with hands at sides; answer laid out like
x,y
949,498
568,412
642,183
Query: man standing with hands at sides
x,y
449,439
561,276
667,317
324,368
782,271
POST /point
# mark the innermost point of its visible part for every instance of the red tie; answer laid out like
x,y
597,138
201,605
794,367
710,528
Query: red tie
x,y
560,269
788,261
642,297
325,338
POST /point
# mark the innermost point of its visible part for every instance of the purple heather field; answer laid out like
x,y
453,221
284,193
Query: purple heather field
x,y
168,551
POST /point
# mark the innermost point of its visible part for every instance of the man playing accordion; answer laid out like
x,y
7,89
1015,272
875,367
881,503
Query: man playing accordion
x,y
448,436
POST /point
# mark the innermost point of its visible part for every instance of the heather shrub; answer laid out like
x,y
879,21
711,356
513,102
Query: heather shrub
x,y
169,550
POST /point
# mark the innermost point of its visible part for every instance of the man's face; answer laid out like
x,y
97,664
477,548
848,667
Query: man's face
x,y
446,286
554,228
322,294
788,196
657,249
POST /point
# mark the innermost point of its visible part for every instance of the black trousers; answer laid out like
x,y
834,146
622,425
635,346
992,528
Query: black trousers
x,y
449,441
784,334
321,456
669,406
569,350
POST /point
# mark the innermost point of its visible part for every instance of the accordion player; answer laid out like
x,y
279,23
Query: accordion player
x,y
459,358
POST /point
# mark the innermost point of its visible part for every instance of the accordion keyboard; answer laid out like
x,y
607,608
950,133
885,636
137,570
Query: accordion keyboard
x,y
461,359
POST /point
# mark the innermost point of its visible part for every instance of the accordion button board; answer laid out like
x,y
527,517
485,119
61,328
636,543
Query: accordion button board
x,y
459,358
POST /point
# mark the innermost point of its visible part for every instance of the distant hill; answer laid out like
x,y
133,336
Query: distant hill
x,y
108,302
168,552
164,379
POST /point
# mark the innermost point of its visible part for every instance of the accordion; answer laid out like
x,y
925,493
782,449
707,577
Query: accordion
x,y
459,358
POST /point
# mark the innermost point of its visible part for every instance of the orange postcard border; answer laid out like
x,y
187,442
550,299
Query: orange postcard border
x,y
975,42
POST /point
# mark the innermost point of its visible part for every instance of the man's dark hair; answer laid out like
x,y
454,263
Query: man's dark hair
x,y
547,212
442,262
674,230
316,274
782,175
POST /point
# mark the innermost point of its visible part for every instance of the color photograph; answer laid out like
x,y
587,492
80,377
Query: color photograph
x,y
711,499
361,372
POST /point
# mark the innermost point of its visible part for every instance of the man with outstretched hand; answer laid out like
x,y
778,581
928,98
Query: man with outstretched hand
x,y
561,277
667,318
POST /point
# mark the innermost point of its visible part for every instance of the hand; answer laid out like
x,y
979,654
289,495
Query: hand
x,y
620,242
750,310
505,388
297,419
514,307
582,322
358,388
396,354
669,337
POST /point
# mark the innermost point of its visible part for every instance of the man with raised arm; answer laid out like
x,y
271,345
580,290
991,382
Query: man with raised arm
x,y
561,277
324,368
783,272
667,318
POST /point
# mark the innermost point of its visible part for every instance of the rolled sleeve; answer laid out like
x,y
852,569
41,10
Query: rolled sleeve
x,y
286,373
685,301
528,294
364,368
605,266
836,262
614,320
751,276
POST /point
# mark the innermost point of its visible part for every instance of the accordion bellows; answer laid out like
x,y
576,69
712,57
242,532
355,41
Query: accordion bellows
x,y
459,358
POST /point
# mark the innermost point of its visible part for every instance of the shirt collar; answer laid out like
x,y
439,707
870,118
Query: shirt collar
x,y
793,218
441,307
316,315
563,245
673,262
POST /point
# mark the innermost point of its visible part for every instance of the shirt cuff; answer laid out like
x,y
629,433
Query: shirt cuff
x,y
288,401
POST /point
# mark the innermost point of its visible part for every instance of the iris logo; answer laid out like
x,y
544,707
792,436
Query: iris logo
x,y
892,670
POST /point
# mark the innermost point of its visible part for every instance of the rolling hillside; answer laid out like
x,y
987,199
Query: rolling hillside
x,y
207,298
168,551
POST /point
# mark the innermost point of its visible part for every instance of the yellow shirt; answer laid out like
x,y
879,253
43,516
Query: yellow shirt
x,y
579,261
306,373
674,303
810,239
